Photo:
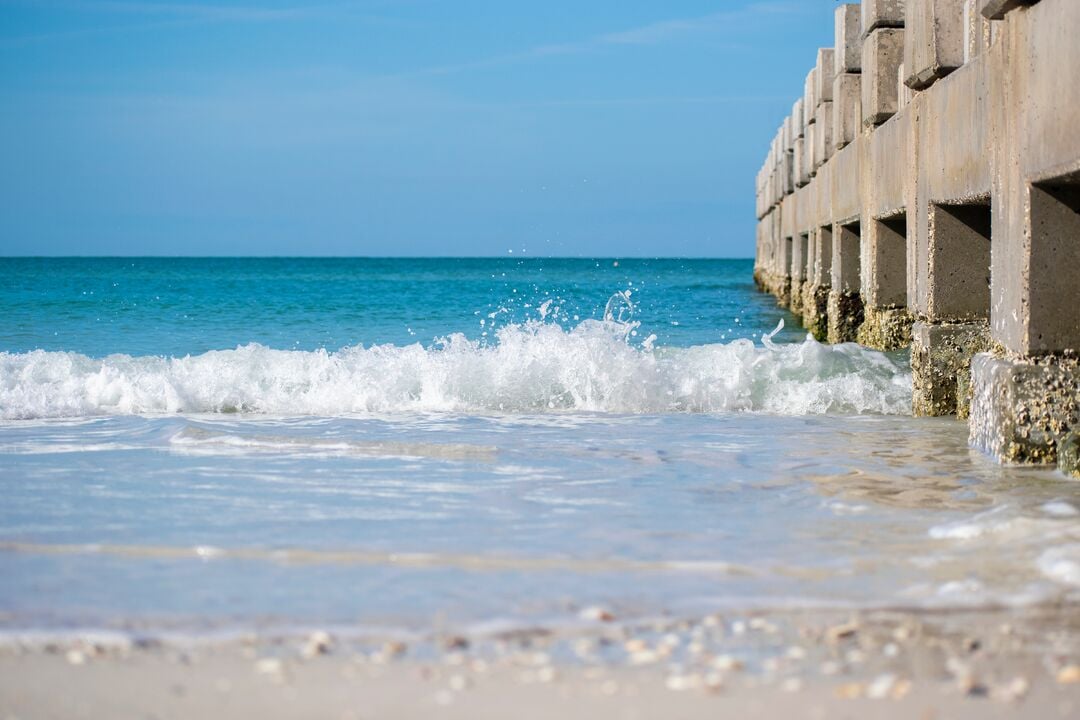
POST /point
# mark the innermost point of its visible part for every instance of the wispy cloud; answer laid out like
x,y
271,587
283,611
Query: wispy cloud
x,y
650,34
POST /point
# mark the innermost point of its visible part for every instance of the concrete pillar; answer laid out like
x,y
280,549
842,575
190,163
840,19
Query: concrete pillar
x,y
883,51
882,13
933,40
847,55
846,108
1026,394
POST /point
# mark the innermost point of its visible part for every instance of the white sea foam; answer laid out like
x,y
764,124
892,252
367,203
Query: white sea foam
x,y
533,368
1062,564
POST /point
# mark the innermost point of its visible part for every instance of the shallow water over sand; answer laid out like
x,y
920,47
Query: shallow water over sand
x,y
209,523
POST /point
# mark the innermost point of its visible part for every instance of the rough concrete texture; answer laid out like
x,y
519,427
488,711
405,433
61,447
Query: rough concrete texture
x,y
941,365
1022,408
1054,270
934,40
1069,454
845,316
883,51
847,109
881,13
1035,113
815,310
978,31
847,57
996,9
885,328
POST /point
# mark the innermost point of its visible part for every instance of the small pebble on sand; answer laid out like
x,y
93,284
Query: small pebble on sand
x,y
841,632
597,614
269,666
1069,675
318,643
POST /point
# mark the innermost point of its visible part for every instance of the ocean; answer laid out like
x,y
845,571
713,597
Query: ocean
x,y
206,446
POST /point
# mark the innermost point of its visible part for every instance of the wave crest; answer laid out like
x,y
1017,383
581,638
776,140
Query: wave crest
x,y
533,368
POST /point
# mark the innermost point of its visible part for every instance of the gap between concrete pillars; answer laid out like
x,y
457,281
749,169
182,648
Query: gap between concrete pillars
x,y
1054,270
887,322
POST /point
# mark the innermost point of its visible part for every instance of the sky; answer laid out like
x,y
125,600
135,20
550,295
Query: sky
x,y
599,128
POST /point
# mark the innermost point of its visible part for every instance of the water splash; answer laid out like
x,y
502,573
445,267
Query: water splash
x,y
533,367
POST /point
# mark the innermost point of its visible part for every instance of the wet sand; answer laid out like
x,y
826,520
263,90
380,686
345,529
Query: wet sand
x,y
815,665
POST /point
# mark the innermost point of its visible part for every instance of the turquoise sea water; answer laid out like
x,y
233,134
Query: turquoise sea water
x,y
222,443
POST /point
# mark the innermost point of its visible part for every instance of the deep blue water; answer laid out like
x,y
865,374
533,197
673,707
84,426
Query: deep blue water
x,y
182,306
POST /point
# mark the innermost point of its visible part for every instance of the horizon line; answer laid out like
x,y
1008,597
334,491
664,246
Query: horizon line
x,y
371,257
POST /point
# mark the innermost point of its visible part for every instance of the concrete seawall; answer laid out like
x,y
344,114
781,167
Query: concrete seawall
x,y
925,192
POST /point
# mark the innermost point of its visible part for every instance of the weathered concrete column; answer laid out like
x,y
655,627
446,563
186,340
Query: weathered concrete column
x,y
816,289
934,41
949,253
1027,391
883,51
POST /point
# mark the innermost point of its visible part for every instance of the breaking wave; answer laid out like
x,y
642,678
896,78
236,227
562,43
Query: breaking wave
x,y
534,367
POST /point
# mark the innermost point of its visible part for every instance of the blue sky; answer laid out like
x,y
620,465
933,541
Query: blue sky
x,y
407,127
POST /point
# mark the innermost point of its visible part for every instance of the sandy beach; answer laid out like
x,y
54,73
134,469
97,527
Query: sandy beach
x,y
814,665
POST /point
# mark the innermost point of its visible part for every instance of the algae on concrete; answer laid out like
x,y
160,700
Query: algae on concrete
x,y
885,328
